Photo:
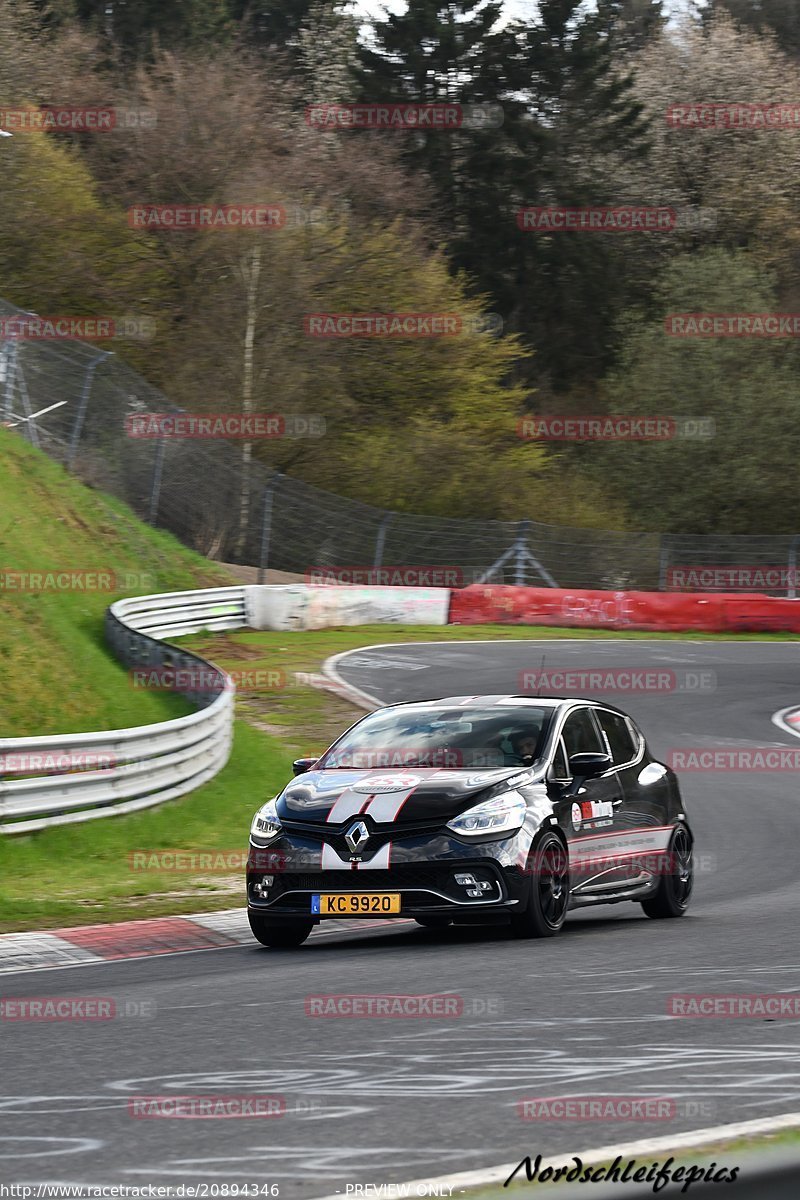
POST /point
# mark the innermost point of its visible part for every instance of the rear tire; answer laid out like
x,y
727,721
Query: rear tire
x,y
548,891
671,897
433,922
278,934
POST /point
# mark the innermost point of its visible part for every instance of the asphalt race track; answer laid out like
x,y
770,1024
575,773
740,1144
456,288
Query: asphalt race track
x,y
385,1100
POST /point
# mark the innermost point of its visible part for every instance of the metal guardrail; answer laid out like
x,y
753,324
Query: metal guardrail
x,y
142,766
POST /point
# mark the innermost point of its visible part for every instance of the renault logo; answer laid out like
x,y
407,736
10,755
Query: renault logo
x,y
357,836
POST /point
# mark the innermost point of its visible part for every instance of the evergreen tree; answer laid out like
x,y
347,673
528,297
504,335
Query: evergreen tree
x,y
271,24
566,107
131,28
633,23
781,17
327,51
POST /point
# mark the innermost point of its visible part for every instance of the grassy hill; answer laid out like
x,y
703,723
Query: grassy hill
x,y
56,674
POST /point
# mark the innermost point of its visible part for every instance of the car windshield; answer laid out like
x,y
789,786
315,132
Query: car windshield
x,y
500,736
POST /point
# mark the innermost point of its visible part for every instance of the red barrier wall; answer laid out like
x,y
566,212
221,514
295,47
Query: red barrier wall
x,y
708,611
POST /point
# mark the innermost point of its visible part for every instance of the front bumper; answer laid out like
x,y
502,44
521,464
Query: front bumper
x,y
282,878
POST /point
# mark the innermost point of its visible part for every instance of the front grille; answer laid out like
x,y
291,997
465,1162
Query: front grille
x,y
412,875
379,833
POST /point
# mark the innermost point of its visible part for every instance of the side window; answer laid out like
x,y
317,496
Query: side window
x,y
581,735
619,736
560,768
636,734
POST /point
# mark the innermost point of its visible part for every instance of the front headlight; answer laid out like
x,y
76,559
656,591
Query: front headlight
x,y
504,814
266,826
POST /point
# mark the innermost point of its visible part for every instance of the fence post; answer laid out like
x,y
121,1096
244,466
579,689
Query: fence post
x,y
791,591
83,404
158,471
266,526
380,540
521,550
663,564
8,371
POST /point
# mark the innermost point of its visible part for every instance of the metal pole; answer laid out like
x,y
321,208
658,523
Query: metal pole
x,y
266,526
158,471
31,431
83,405
663,564
521,552
380,541
791,591
8,373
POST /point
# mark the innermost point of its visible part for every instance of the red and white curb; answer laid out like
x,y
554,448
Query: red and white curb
x,y
84,945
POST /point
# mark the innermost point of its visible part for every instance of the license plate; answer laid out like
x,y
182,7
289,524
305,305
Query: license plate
x,y
354,904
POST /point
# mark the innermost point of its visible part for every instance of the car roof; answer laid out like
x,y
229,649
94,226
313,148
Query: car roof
x,y
515,701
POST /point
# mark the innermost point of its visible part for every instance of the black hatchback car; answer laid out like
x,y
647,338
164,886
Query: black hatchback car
x,y
472,809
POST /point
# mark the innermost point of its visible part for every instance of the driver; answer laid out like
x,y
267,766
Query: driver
x,y
523,743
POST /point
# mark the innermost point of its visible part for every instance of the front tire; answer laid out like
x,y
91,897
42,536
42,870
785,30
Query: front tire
x,y
671,897
548,891
278,934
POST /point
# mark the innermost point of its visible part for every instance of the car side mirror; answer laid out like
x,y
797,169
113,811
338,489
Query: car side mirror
x,y
589,765
301,765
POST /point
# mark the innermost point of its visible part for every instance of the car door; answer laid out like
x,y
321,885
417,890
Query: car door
x,y
643,815
586,809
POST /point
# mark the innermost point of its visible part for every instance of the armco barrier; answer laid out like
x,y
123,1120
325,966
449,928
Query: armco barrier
x,y
649,611
148,764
